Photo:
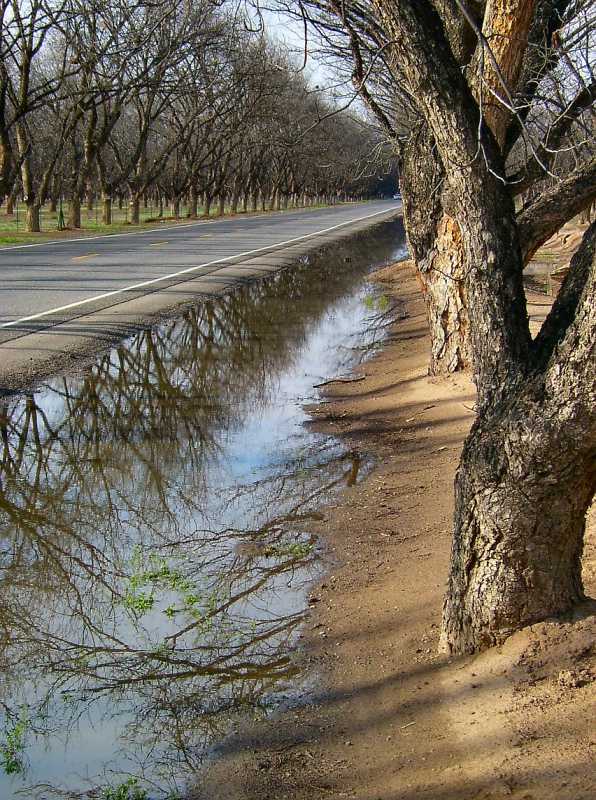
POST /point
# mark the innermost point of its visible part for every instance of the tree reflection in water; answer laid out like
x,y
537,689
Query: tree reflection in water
x,y
156,515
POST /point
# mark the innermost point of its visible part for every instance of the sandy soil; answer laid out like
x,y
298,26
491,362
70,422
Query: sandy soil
x,y
386,716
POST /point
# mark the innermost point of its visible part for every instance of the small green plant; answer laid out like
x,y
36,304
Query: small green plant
x,y
148,573
376,302
296,549
139,601
128,790
12,749
191,599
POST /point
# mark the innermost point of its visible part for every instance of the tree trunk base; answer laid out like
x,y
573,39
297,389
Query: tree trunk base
x,y
519,526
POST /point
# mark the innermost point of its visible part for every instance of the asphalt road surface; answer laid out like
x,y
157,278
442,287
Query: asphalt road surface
x,y
90,287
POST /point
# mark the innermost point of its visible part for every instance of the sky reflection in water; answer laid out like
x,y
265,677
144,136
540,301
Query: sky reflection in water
x,y
156,515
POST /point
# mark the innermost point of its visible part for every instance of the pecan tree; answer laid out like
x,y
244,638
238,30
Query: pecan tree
x,y
480,97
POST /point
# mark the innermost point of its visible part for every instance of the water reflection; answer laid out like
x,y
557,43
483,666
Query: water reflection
x,y
156,532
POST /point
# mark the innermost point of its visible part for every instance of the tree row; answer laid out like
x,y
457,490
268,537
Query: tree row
x,y
177,100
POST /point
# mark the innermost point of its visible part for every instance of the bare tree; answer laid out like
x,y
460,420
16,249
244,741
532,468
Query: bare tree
x,y
27,84
483,81
533,80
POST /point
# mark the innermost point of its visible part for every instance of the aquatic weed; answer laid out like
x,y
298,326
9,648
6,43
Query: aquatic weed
x,y
12,749
128,790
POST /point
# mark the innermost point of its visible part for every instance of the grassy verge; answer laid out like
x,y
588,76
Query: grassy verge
x,y
13,227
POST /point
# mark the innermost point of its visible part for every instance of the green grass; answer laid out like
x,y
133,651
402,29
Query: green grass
x,y
13,227
129,790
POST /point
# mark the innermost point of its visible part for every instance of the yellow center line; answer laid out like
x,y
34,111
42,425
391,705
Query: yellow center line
x,y
157,244
88,255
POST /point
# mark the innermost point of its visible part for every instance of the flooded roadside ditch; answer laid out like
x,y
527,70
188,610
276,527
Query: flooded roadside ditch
x,y
156,513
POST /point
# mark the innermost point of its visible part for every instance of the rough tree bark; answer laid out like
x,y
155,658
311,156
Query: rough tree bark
x,y
435,246
525,480
527,474
74,211
106,209
433,236
134,206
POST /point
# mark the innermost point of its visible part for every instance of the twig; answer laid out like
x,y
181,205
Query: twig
x,y
339,380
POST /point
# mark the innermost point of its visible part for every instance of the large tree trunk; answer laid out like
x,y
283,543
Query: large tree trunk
x,y
434,237
435,244
528,470
525,481
33,216
74,211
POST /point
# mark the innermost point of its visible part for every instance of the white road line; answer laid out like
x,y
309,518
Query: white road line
x,y
186,271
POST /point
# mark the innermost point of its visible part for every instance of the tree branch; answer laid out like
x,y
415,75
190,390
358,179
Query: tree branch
x,y
536,167
542,58
541,219
575,293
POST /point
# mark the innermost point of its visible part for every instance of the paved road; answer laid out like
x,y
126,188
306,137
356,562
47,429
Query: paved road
x,y
43,284
62,303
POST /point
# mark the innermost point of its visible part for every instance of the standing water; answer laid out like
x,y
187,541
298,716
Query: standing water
x,y
156,516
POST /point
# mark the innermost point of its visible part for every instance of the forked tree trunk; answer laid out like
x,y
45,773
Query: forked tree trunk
x,y
528,469
524,484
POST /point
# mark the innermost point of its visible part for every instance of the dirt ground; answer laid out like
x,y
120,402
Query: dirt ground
x,y
385,716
